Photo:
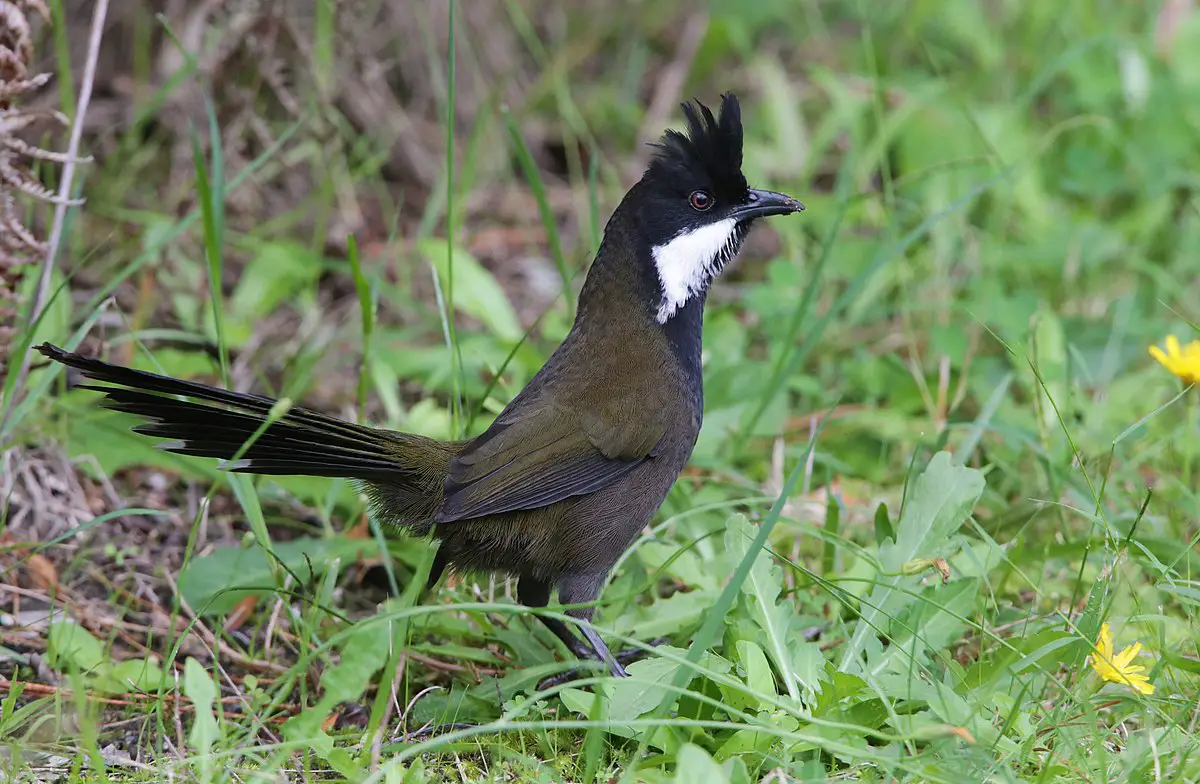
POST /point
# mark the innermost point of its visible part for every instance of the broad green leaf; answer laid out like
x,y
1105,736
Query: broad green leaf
x,y
70,646
947,705
693,764
761,591
883,526
198,686
938,503
215,582
278,272
758,669
930,622
760,691
745,741
940,499
476,291
665,617
364,652
630,698
585,704
808,665
131,676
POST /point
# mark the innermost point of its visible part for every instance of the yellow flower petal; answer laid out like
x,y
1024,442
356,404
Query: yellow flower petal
x,y
1182,362
1119,668
1139,682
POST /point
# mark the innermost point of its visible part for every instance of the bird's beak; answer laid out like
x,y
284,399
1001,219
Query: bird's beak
x,y
760,204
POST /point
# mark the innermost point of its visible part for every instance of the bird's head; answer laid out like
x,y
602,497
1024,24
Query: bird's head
x,y
693,205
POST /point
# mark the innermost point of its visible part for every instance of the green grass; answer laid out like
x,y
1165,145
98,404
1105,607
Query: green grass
x,y
944,357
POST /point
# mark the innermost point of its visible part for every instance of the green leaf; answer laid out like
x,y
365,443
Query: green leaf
x,y
883,526
677,613
275,274
745,741
947,705
630,698
476,291
278,272
198,686
930,622
940,500
364,651
761,591
758,670
70,646
215,582
131,676
693,764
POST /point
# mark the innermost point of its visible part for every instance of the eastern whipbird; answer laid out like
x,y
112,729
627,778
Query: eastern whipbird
x,y
560,484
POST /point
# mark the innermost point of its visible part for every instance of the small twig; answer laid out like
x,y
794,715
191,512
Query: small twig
x,y
273,620
63,200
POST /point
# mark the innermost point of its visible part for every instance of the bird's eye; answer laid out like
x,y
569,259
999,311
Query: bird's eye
x,y
700,201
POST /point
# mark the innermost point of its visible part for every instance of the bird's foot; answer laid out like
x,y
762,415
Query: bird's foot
x,y
616,664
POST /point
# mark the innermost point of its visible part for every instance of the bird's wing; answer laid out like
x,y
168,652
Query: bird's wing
x,y
540,451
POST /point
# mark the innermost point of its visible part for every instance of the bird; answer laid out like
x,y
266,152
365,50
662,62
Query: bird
x,y
562,481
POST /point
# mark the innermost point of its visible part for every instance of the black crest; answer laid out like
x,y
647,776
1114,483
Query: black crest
x,y
712,145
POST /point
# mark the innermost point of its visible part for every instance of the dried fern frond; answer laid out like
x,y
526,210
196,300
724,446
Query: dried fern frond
x,y
20,247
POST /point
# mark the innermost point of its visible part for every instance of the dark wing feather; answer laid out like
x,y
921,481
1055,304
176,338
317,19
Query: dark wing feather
x,y
538,453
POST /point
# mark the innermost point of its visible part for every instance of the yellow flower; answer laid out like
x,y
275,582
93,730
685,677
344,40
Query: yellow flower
x,y
1117,667
1184,362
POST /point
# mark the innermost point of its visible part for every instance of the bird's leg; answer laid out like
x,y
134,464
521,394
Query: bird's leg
x,y
563,632
536,594
601,652
581,589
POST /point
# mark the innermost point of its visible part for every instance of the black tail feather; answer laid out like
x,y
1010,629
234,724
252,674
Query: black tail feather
x,y
300,442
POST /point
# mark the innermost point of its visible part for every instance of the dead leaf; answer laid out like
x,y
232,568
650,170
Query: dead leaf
x,y
240,613
43,573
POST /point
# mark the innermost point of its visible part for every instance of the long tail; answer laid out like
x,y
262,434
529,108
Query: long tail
x,y
299,442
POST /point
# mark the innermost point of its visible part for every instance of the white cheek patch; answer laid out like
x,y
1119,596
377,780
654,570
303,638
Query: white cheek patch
x,y
686,264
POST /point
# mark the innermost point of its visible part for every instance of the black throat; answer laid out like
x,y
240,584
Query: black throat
x,y
685,336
